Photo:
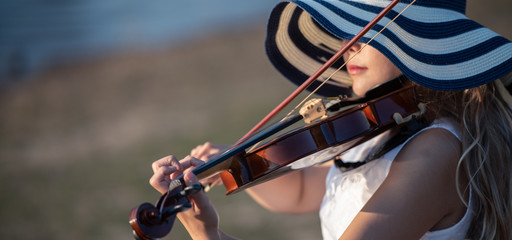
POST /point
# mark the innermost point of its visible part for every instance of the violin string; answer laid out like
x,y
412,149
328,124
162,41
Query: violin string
x,y
337,70
345,63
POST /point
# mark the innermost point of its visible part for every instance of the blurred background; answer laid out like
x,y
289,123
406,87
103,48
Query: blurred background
x,y
92,92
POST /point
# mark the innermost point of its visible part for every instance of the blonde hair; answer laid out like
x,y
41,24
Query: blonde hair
x,y
484,114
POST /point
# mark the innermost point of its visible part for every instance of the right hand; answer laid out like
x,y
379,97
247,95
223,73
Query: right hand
x,y
206,152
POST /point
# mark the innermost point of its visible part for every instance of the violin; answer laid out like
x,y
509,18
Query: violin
x,y
334,128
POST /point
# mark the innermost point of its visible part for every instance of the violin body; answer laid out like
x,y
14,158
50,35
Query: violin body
x,y
318,142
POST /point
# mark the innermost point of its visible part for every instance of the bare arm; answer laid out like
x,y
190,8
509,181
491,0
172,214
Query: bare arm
x,y
297,192
419,193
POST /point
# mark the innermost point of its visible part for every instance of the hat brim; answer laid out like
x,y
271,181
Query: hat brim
x,y
297,47
434,45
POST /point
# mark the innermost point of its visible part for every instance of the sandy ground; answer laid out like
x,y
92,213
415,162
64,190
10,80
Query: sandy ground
x,y
77,141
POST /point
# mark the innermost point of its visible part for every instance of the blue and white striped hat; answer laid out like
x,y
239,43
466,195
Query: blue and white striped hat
x,y
433,42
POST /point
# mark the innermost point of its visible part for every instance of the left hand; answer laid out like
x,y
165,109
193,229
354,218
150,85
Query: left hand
x,y
168,168
201,220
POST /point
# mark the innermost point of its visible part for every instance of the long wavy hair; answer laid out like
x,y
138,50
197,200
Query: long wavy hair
x,y
484,114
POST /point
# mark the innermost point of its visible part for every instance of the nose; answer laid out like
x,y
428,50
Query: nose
x,y
354,48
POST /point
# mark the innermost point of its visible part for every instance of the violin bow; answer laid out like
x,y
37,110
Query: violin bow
x,y
323,68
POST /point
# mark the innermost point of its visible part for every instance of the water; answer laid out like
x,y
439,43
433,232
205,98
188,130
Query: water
x,y
35,33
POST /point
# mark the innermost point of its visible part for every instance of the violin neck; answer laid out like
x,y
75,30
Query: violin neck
x,y
205,172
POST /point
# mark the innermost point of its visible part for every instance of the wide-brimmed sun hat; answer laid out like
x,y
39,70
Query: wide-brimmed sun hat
x,y
433,42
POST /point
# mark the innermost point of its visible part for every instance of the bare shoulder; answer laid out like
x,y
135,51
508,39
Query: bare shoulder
x,y
419,193
429,160
434,149
426,167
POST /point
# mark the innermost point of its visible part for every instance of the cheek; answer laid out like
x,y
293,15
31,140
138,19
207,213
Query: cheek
x,y
386,74
385,69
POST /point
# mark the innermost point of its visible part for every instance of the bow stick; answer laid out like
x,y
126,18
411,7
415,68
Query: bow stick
x,y
319,72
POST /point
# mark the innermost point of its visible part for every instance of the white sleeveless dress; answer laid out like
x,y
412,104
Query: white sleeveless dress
x,y
347,192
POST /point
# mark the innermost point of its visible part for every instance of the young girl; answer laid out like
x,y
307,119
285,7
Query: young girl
x,y
450,180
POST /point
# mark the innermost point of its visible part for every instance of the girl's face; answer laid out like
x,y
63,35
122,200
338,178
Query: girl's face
x,y
368,68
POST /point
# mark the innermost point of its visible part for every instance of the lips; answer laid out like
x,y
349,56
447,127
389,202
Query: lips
x,y
355,69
